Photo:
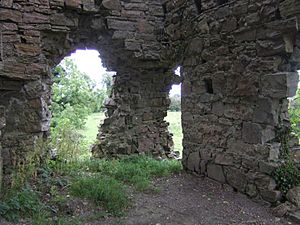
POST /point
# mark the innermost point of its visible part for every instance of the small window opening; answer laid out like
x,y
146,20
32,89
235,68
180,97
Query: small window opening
x,y
208,85
165,8
221,2
174,114
198,5
277,14
23,40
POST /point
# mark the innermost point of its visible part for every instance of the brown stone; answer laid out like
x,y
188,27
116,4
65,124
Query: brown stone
x,y
112,4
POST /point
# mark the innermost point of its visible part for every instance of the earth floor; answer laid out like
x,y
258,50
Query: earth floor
x,y
189,200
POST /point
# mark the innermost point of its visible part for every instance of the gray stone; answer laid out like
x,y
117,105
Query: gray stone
x,y
251,190
280,85
224,159
216,172
267,167
283,209
236,179
293,195
193,163
264,112
252,133
112,4
294,216
271,196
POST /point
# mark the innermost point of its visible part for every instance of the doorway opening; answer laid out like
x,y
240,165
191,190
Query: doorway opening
x,y
80,87
174,113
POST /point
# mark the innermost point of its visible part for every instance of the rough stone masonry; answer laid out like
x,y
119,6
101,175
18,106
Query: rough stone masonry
x,y
239,61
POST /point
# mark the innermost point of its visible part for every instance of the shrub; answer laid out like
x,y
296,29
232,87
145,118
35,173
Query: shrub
x,y
287,176
24,203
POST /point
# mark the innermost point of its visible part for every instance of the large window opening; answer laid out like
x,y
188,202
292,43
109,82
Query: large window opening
x,y
174,114
81,86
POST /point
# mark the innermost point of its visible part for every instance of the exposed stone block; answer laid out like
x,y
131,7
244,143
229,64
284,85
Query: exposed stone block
x,y
10,15
264,112
267,167
280,85
253,133
73,3
121,25
224,159
193,163
112,4
271,196
216,172
293,196
236,178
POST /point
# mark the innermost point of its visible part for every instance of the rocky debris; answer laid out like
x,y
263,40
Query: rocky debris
x,y
283,209
293,196
294,216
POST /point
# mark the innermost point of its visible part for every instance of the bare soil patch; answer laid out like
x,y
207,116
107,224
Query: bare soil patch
x,y
189,200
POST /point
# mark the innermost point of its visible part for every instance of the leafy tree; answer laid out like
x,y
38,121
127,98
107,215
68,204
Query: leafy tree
x,y
73,95
107,82
175,105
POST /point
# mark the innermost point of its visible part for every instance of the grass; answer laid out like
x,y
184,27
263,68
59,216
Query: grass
x,y
108,183
90,130
24,202
173,118
102,190
104,182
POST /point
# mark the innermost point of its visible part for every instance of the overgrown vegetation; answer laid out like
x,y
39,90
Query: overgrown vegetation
x,y
75,95
44,185
287,175
21,203
104,182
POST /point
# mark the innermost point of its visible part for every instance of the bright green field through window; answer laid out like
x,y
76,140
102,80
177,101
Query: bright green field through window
x,y
174,118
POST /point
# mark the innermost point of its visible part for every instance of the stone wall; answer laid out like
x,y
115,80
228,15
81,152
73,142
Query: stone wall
x,y
36,35
239,68
239,60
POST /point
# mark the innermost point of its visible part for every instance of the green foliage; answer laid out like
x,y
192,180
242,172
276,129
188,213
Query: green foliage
x,y
72,91
91,127
23,203
74,95
294,112
174,119
287,176
135,170
175,105
283,136
103,190
107,81
68,144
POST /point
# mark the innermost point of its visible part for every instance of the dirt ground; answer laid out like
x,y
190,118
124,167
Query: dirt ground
x,y
182,199
189,200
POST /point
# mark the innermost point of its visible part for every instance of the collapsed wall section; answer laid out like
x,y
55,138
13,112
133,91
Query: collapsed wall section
x,y
238,74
